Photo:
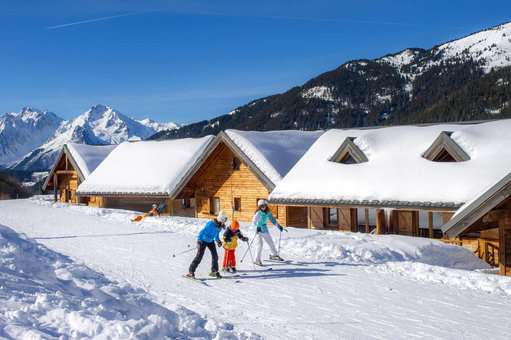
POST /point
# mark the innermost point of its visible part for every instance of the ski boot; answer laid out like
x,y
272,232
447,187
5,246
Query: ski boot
x,y
258,263
190,275
233,270
215,274
276,258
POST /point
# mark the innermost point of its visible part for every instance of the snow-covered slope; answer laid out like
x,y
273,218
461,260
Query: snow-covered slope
x,y
21,132
45,295
99,125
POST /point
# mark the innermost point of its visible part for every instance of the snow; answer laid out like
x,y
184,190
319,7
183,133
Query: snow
x,y
146,167
21,132
88,157
274,152
400,59
339,285
320,92
491,46
396,170
45,295
100,124
158,126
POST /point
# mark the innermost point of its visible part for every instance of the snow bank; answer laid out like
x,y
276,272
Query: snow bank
x,y
274,152
462,279
396,170
45,295
147,167
88,157
366,249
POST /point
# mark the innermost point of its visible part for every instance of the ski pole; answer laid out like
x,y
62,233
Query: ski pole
x,y
251,257
248,248
183,252
280,237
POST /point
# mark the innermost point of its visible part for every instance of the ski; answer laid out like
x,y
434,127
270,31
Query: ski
x,y
198,279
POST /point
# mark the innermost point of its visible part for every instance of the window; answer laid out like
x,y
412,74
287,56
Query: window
x,y
349,153
236,163
214,205
332,219
348,159
445,149
185,203
237,204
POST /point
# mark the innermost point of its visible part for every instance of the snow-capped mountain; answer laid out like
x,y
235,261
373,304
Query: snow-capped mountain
x,y
21,132
464,79
157,126
99,125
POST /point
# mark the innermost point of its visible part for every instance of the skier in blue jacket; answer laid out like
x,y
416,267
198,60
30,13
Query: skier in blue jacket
x,y
260,220
206,239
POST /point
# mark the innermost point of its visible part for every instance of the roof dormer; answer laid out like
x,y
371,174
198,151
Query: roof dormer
x,y
445,149
349,153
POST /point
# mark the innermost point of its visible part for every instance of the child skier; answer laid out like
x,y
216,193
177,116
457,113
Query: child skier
x,y
261,217
230,237
206,239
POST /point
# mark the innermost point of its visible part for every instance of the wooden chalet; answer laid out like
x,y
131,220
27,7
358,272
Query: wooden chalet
x,y
243,167
485,222
74,164
406,180
138,174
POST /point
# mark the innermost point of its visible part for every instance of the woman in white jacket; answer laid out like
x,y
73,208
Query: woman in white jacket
x,y
260,221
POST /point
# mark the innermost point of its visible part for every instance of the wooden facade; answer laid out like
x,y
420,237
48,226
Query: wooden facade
x,y
369,219
225,182
64,180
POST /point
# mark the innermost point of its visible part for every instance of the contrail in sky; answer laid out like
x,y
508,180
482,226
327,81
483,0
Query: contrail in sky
x,y
88,21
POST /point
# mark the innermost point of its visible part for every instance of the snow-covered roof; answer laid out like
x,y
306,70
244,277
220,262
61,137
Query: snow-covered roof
x,y
480,205
83,157
274,153
146,167
88,157
396,173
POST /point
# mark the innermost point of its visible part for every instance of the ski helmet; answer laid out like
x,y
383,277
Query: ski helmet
x,y
235,225
261,203
221,217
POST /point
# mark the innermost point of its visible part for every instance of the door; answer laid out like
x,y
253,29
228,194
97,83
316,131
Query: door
x,y
297,217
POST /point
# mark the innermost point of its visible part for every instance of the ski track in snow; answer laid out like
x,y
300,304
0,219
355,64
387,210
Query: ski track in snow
x,y
311,298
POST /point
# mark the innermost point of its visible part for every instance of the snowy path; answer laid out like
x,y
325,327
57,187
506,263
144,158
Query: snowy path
x,y
319,300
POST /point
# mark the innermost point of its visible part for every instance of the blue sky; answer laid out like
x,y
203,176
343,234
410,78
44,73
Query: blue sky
x,y
190,60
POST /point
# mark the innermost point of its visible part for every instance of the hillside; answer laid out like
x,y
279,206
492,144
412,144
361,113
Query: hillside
x,y
464,79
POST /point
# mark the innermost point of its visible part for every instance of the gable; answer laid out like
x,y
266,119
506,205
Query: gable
x,y
64,162
349,153
445,149
218,168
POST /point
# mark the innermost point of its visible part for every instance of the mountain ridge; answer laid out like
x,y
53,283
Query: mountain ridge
x,y
405,87
101,124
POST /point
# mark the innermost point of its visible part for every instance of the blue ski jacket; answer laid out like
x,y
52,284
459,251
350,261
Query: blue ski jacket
x,y
261,218
210,232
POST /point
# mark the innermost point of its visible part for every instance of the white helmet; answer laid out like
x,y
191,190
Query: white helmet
x,y
261,203
222,218
155,206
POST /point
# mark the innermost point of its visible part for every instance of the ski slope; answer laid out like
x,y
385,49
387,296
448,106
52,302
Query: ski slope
x,y
342,286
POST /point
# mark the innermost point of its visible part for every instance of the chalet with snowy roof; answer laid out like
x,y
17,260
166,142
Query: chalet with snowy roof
x,y
243,167
487,219
406,180
74,164
138,174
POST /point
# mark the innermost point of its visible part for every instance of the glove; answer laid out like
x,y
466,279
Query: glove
x,y
219,243
281,228
244,239
259,229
